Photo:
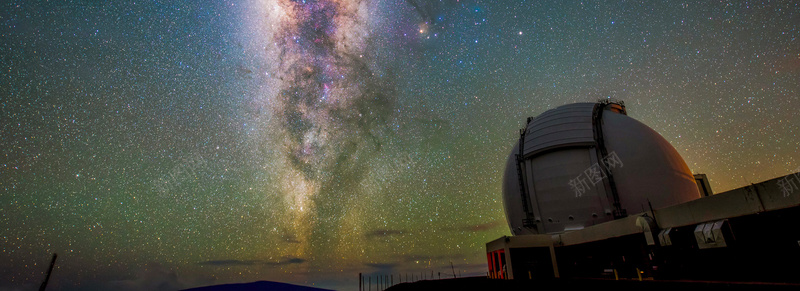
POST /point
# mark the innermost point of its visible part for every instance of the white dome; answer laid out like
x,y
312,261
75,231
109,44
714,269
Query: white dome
x,y
578,159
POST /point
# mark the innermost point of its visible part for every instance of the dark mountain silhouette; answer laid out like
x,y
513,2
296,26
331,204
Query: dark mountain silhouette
x,y
260,286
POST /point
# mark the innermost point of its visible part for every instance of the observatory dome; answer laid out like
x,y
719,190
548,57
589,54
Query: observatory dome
x,y
586,163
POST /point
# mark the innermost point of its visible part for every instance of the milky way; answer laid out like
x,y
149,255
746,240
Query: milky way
x,y
334,110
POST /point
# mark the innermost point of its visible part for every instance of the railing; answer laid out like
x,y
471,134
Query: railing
x,y
383,282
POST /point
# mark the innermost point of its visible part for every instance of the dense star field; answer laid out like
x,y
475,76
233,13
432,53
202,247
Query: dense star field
x,y
175,144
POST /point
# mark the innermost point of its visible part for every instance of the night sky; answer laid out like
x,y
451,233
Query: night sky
x,y
179,144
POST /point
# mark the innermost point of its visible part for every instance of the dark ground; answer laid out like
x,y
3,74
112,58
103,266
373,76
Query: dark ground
x,y
481,283
260,285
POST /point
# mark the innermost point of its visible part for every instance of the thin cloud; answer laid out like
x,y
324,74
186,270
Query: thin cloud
x,y
287,261
221,263
381,266
379,233
290,239
229,262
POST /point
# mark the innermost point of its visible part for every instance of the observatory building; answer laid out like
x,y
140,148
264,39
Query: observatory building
x,y
590,192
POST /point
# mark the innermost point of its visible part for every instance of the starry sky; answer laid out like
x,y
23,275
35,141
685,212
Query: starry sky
x,y
175,144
